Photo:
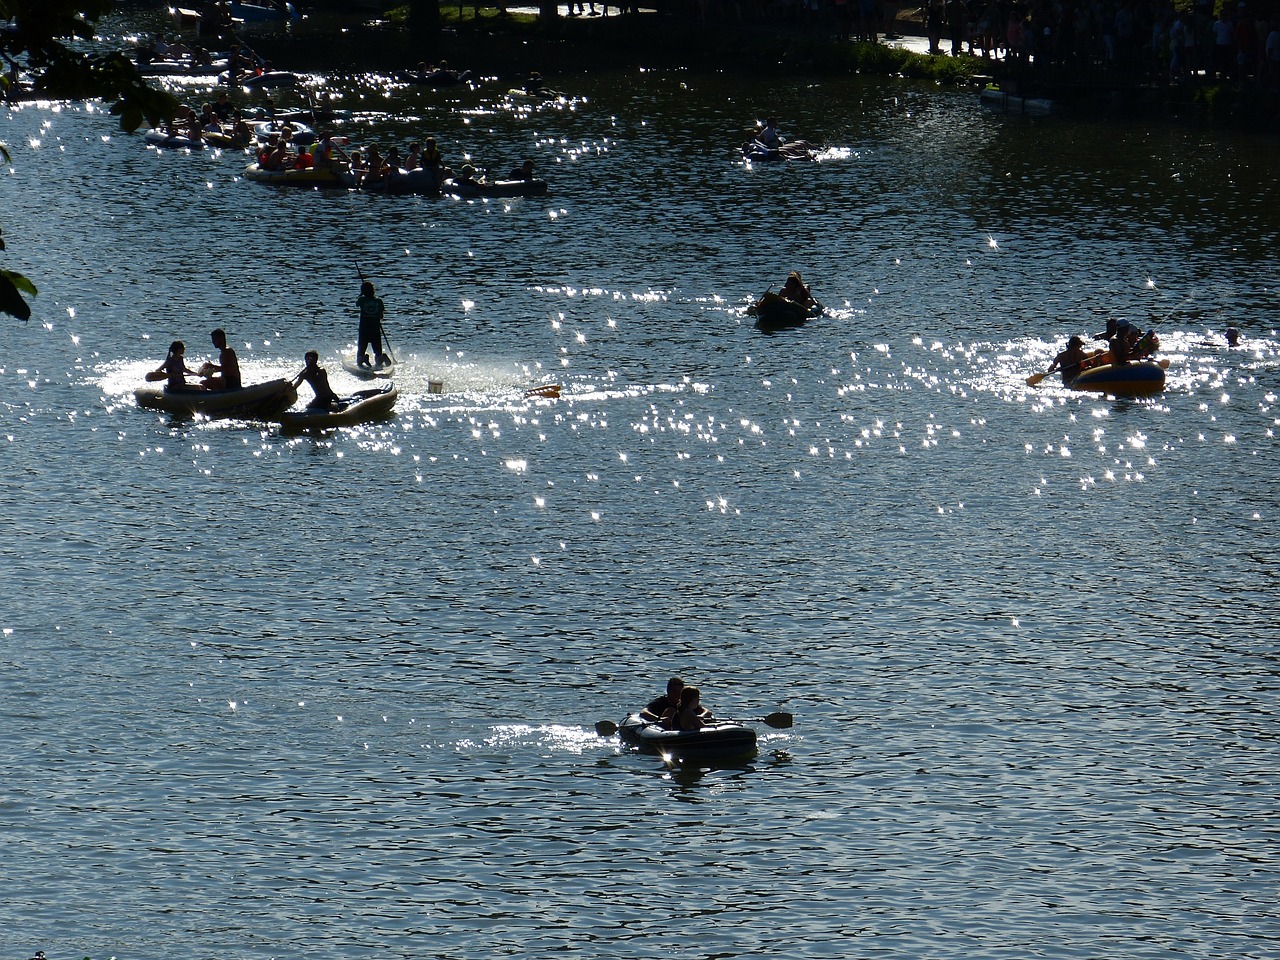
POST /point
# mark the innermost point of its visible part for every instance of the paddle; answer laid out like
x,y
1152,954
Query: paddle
x,y
779,721
548,391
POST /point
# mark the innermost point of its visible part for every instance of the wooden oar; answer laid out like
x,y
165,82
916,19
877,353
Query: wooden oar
x,y
779,721
548,391
1035,378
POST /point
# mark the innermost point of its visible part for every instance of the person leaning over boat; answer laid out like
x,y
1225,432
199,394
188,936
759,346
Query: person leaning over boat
x,y
372,312
318,379
175,370
1071,360
225,374
688,714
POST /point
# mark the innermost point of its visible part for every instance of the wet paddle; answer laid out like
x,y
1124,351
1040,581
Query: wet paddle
x,y
548,391
779,721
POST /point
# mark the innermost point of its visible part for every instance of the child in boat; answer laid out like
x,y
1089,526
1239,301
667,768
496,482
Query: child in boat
x,y
174,370
659,706
688,715
318,379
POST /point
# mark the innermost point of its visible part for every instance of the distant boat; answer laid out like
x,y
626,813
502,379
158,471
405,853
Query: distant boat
x,y
992,96
256,12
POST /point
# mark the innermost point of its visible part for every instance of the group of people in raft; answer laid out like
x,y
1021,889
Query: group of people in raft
x,y
1125,341
370,168
225,374
680,708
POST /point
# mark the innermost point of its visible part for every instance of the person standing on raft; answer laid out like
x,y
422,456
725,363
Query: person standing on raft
x,y
372,312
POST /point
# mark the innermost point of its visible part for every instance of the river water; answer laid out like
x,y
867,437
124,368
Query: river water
x,y
334,696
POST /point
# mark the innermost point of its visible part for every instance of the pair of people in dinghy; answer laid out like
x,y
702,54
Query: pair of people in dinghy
x,y
223,375
680,708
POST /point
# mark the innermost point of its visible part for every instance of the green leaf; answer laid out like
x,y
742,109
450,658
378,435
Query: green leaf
x,y
20,282
11,301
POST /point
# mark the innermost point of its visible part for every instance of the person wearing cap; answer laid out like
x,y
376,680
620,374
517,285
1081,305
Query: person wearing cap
x,y
1123,341
1072,359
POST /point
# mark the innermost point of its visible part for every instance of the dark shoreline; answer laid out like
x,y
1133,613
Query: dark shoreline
x,y
510,48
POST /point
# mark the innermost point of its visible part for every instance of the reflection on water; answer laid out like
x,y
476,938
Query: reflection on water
x,y
275,695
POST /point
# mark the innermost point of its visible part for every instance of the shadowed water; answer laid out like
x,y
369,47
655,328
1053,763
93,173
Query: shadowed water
x,y
333,695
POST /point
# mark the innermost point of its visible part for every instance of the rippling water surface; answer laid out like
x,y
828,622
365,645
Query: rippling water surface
x,y
333,696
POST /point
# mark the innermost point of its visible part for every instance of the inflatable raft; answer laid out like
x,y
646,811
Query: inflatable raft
x,y
721,741
171,141
775,312
754,151
261,401
496,188
1124,379
364,406
313,178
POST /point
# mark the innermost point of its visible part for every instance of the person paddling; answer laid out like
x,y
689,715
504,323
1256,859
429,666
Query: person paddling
x,y
372,312
174,370
797,291
318,379
1072,360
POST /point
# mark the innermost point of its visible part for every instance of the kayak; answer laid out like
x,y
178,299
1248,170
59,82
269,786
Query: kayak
x,y
261,401
1124,379
775,312
314,178
723,740
364,406
496,188
387,370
